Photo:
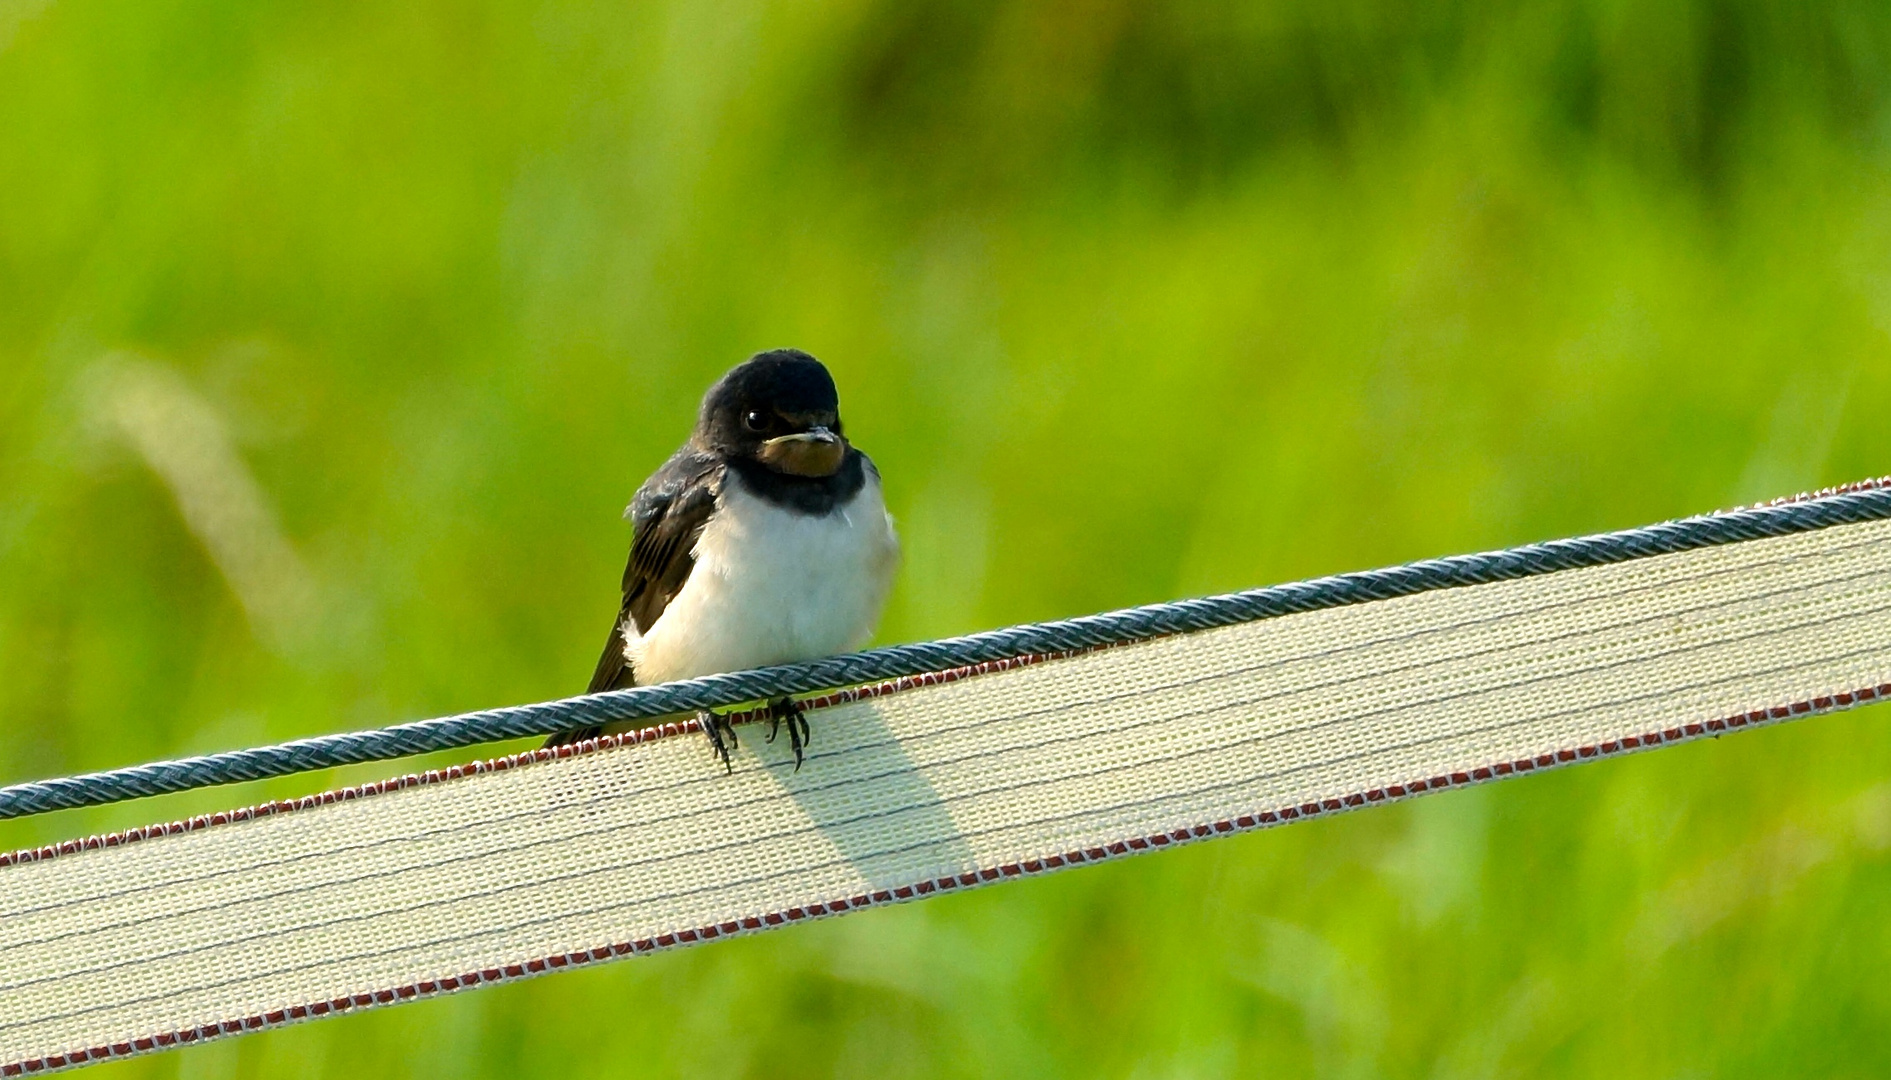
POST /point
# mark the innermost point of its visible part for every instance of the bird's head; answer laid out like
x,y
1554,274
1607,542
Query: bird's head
x,y
779,408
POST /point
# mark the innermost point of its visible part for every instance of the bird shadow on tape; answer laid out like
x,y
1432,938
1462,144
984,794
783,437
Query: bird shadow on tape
x,y
868,796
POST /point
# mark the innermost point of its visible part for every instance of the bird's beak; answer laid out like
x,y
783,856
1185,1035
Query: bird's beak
x,y
815,452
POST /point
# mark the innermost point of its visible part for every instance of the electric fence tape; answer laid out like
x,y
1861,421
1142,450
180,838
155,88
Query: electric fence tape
x,y
984,758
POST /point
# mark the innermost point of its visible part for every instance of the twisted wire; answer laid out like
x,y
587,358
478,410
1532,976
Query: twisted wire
x,y
1864,502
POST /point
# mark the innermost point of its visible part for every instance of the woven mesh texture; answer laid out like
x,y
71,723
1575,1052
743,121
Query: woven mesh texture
x,y
643,845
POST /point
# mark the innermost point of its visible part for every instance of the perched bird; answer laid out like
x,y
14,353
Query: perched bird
x,y
764,540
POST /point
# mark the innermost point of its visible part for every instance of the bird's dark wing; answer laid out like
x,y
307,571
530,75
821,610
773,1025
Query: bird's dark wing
x,y
613,670
667,516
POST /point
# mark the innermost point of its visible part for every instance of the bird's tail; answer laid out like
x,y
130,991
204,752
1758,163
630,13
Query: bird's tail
x,y
613,673
575,735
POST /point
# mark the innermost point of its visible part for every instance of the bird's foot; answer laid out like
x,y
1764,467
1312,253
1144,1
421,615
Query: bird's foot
x,y
721,735
789,710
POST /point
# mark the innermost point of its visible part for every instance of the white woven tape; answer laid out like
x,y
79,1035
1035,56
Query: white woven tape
x,y
436,886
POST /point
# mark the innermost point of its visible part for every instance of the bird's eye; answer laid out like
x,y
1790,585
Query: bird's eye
x,y
755,421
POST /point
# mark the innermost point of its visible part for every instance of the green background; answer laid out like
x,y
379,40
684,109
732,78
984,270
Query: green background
x,y
1130,301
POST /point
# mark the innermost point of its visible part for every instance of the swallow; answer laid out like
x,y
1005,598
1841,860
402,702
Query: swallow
x,y
763,540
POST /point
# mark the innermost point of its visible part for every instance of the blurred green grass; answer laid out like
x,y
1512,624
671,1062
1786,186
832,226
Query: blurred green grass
x,y
1129,302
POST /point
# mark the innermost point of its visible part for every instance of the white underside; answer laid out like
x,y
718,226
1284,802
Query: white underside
x,y
772,586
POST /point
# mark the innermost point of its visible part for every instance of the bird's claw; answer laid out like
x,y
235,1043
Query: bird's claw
x,y
721,735
788,709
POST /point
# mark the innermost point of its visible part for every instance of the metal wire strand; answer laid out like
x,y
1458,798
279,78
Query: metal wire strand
x,y
1870,501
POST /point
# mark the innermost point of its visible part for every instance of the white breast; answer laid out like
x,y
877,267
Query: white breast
x,y
772,586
